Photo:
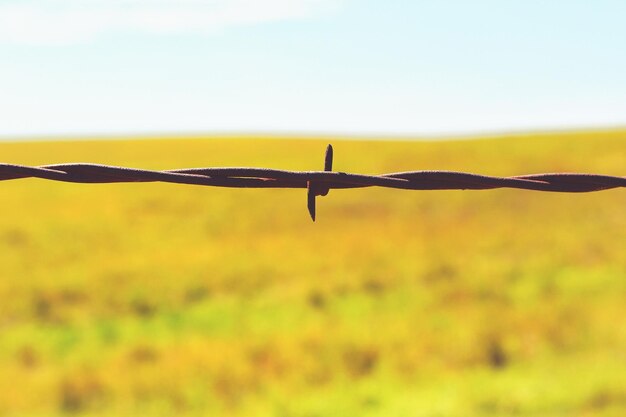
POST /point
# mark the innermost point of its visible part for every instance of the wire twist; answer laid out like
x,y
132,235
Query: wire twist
x,y
317,183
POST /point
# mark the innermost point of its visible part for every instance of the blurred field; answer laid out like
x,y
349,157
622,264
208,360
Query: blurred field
x,y
160,300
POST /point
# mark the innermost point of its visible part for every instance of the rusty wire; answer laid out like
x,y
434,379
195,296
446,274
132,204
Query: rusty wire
x,y
317,183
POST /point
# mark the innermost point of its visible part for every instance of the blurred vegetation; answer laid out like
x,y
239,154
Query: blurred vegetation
x,y
159,299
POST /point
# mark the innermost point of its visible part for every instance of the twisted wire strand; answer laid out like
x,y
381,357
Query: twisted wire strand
x,y
318,183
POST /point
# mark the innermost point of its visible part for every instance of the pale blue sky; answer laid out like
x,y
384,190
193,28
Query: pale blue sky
x,y
330,66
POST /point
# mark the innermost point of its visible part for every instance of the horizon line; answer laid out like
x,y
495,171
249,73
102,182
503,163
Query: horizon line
x,y
283,134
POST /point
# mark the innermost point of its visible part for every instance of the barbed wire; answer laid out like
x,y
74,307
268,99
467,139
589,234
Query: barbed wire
x,y
317,183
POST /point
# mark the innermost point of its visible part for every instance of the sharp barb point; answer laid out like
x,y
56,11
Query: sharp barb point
x,y
310,200
328,160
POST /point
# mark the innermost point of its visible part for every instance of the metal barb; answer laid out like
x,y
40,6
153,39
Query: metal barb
x,y
314,189
328,158
310,199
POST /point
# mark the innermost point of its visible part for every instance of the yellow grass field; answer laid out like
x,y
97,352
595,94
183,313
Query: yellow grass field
x,y
161,300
